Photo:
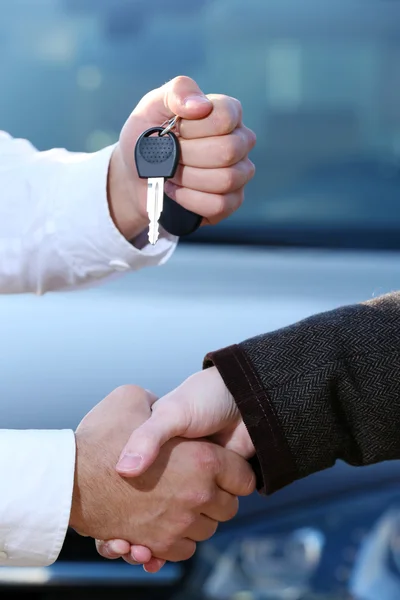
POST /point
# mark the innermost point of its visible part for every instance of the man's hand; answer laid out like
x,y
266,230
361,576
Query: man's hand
x,y
179,501
214,165
201,407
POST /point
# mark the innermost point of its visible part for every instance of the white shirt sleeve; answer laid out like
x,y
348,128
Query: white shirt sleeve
x,y
37,476
56,231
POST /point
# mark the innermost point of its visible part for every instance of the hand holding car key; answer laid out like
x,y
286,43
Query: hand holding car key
x,y
157,156
213,167
207,187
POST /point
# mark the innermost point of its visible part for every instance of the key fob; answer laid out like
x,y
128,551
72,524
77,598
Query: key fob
x,y
175,219
156,156
178,220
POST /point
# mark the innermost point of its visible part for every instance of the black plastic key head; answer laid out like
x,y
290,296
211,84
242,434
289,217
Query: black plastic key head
x,y
158,156
155,155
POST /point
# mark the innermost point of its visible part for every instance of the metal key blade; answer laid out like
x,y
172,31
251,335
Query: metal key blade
x,y
155,197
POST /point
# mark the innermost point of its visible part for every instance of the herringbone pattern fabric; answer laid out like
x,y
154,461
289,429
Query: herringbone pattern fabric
x,y
334,382
326,388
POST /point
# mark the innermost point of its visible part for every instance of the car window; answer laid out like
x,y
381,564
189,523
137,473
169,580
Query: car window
x,y
319,81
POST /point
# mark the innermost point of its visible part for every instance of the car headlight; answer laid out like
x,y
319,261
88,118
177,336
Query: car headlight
x,y
269,566
336,550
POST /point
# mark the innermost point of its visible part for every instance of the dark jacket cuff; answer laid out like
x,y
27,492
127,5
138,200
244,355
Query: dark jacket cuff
x,y
274,464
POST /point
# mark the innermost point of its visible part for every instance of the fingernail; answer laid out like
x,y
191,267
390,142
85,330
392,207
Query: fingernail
x,y
113,548
108,550
129,462
193,101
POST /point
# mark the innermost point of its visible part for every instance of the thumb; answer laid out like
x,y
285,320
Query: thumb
x,y
146,441
180,96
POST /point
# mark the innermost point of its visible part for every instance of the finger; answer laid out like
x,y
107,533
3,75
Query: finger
x,y
113,549
238,441
140,554
128,559
151,397
225,117
182,550
130,400
235,474
217,152
215,181
222,508
181,96
154,565
167,421
203,529
213,207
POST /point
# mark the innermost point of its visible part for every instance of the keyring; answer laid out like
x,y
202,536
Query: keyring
x,y
169,125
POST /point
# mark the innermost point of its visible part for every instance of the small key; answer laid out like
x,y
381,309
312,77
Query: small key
x,y
156,158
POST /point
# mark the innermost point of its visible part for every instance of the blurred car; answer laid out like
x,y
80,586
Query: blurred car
x,y
320,84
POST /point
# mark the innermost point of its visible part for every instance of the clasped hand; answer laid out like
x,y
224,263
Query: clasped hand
x,y
167,492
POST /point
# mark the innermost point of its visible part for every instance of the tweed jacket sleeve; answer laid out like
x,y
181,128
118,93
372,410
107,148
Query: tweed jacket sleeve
x,y
324,389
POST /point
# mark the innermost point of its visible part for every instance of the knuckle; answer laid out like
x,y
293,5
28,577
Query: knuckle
x,y
164,547
180,80
251,138
225,205
229,179
239,109
207,459
186,520
236,201
228,121
208,532
251,169
231,150
215,528
126,389
189,551
227,115
235,177
182,551
231,510
177,84
129,399
161,550
199,497
219,206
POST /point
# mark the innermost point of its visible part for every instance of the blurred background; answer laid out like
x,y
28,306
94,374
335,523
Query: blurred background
x,y
319,81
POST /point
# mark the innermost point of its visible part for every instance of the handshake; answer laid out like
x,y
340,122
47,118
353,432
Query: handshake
x,y
150,495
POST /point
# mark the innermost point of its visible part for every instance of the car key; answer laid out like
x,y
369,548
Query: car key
x,y
157,156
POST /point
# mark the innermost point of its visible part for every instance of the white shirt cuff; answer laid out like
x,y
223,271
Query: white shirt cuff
x,y
87,236
37,477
